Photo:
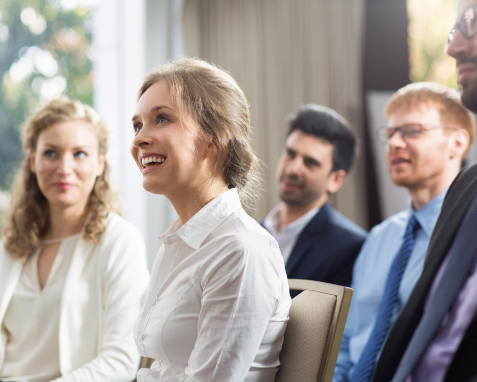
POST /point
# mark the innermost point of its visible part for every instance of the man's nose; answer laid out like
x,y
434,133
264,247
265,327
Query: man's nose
x,y
396,140
459,45
294,166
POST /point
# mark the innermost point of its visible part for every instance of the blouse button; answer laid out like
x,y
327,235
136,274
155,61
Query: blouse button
x,y
153,301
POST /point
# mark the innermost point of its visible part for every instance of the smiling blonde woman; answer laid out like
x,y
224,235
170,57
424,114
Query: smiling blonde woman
x,y
73,274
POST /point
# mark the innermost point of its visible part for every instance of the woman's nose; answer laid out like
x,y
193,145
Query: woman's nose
x,y
66,164
142,138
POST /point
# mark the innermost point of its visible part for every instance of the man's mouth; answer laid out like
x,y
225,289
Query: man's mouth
x,y
465,66
151,161
398,161
291,185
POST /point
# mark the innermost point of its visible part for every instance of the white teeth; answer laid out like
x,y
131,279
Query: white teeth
x,y
147,160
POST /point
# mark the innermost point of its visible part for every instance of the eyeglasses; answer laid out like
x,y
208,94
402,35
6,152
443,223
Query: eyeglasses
x,y
467,24
410,131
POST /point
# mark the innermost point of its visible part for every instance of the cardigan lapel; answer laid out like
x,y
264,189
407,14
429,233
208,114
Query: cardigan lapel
x,y
81,254
307,238
10,271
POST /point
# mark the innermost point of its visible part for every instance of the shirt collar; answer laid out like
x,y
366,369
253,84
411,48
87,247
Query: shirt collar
x,y
428,214
197,228
272,221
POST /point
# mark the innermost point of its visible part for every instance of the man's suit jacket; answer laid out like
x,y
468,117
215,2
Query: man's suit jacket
x,y
464,365
326,249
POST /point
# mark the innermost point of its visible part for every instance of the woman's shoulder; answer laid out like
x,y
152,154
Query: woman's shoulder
x,y
240,235
119,228
242,228
121,235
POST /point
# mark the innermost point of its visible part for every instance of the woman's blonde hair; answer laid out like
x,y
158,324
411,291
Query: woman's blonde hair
x,y
217,104
28,218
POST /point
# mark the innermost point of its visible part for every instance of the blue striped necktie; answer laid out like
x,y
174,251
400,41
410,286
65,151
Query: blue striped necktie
x,y
365,367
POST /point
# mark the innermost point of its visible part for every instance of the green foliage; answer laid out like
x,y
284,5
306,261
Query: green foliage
x,y
44,53
430,22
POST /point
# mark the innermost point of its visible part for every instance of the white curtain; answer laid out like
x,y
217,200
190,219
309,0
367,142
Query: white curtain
x,y
284,53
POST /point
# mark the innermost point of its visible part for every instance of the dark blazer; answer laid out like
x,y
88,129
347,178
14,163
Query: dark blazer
x,y
464,365
326,249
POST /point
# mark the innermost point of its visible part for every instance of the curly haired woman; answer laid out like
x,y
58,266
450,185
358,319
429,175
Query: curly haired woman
x,y
73,274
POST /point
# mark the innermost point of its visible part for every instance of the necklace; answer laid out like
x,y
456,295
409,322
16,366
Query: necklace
x,y
52,241
56,241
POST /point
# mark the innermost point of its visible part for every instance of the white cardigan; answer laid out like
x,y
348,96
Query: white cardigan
x,y
104,292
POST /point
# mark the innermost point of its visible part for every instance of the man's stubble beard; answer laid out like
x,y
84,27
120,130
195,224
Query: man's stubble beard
x,y
468,89
469,96
304,198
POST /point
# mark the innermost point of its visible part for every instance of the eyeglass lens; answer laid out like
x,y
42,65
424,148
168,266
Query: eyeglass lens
x,y
468,24
406,131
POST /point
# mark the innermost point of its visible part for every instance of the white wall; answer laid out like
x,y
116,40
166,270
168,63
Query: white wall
x,y
131,37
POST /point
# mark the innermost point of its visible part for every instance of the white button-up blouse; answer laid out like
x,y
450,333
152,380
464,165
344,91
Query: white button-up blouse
x,y
219,300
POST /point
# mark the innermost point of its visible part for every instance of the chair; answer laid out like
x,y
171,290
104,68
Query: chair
x,y
314,332
145,363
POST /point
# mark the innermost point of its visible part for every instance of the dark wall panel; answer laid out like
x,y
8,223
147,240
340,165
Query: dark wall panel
x,y
386,67
386,59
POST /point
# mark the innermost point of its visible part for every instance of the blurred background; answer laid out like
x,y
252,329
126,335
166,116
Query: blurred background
x,y
348,55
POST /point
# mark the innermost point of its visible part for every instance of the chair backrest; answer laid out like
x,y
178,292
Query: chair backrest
x,y
314,332
145,363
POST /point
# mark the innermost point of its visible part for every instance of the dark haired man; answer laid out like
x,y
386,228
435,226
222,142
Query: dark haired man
x,y
434,338
317,242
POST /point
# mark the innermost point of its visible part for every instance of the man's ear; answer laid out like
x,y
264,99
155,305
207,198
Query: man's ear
x,y
460,142
31,155
335,181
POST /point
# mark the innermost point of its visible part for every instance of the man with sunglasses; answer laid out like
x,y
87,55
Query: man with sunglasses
x,y
427,137
434,338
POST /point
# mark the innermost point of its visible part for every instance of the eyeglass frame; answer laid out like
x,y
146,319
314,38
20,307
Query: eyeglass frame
x,y
461,25
384,139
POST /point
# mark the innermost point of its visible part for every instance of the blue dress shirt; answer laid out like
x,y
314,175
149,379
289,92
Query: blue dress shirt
x,y
370,273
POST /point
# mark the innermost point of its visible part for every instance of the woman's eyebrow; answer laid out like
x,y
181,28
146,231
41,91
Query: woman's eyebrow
x,y
154,109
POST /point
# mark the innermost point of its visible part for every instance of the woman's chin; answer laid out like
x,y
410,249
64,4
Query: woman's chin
x,y
153,187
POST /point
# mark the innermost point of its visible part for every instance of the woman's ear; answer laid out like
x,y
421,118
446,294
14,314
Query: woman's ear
x,y
101,160
212,149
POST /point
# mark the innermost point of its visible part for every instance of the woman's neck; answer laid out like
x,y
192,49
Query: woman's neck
x,y
190,201
65,222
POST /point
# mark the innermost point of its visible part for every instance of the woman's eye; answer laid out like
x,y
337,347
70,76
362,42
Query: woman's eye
x,y
136,128
80,154
162,119
49,153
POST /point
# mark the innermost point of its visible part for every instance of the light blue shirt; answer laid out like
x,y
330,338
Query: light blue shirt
x,y
370,273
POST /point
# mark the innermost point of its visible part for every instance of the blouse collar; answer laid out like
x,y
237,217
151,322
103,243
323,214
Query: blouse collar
x,y
197,228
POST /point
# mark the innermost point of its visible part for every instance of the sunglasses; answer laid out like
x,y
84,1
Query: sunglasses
x,y
467,24
410,131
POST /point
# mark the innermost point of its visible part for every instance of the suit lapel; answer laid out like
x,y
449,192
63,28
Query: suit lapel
x,y
307,238
458,198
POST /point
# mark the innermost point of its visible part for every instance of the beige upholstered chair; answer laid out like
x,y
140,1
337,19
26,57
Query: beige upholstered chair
x,y
313,335
145,363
